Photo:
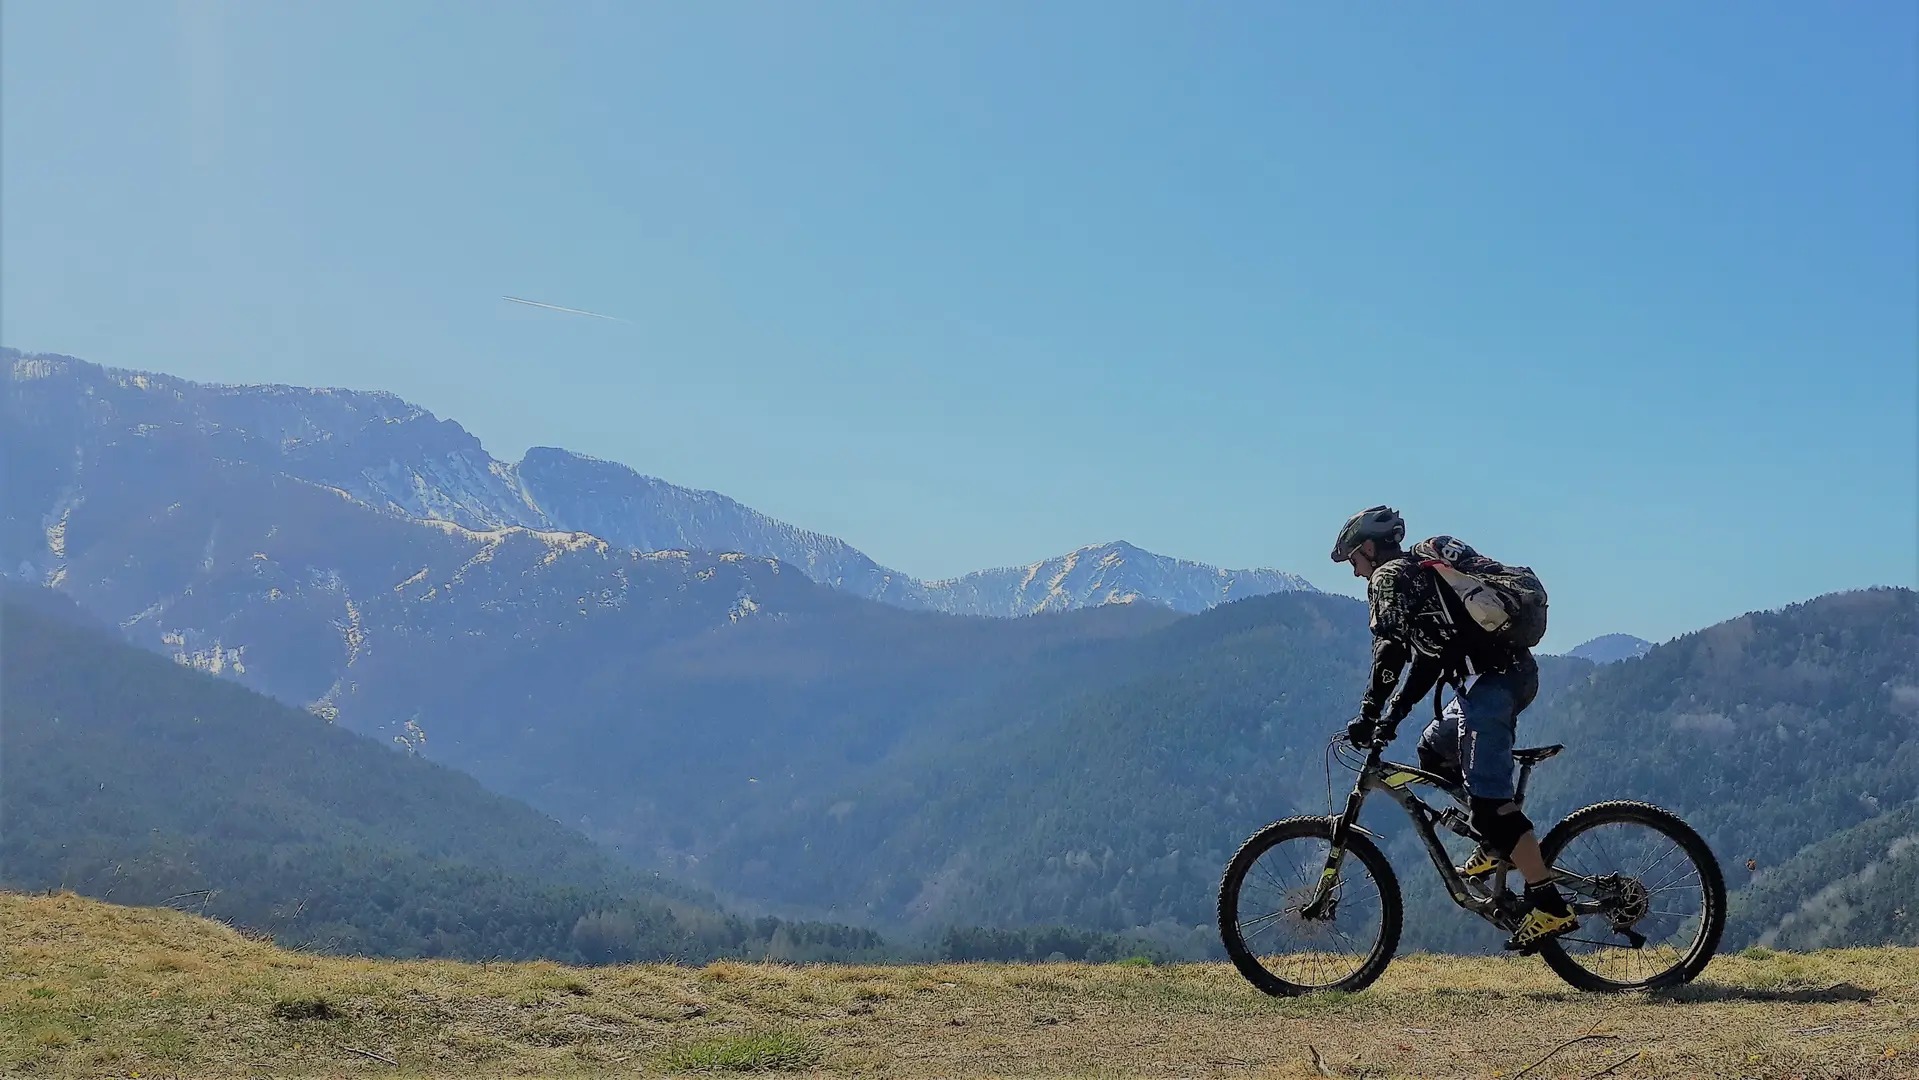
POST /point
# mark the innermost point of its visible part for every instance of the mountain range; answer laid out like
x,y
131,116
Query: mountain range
x,y
384,453
814,750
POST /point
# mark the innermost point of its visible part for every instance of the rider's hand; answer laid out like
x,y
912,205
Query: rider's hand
x,y
1365,733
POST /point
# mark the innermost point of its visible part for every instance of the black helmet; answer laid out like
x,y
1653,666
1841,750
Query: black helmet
x,y
1372,523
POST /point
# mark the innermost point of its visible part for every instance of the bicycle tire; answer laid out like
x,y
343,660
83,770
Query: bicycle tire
x,y
1712,881
1358,845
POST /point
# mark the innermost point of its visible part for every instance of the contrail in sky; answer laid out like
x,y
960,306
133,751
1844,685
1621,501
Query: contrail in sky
x,y
568,310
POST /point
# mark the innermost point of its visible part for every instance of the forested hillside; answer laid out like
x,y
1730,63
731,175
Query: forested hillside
x,y
1110,798
1091,770
129,777
1858,886
662,744
1107,795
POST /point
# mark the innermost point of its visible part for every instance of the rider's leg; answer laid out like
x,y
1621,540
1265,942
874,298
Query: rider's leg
x,y
1439,755
1439,745
1488,715
1485,716
1526,857
1486,738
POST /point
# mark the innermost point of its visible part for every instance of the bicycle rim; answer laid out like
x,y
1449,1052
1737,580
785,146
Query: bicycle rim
x,y
1277,874
1651,876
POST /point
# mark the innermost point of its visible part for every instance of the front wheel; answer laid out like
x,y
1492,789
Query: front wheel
x,y
1270,939
1649,892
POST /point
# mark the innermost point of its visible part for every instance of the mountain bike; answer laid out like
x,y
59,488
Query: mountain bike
x,y
1310,904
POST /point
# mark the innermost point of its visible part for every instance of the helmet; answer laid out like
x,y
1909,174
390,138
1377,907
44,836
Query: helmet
x,y
1372,523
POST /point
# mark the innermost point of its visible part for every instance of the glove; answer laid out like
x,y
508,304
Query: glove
x,y
1365,733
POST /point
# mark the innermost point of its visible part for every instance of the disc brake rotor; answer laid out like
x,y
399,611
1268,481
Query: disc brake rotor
x,y
1629,903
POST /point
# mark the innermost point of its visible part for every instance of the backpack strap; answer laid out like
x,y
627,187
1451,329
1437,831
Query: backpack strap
x,y
1453,675
1468,636
1455,671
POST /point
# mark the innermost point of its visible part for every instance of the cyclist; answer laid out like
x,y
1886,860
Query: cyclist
x,y
1473,739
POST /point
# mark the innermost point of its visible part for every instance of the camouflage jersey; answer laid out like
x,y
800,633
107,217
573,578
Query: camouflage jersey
x,y
1412,622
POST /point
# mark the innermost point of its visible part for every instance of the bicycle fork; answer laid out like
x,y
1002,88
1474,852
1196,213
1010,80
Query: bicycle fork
x,y
1322,904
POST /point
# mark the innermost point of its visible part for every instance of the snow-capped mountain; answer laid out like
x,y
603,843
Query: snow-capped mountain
x,y
1115,573
388,454
177,513
609,500
582,494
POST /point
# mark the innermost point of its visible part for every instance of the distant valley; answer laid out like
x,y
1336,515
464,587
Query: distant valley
x,y
130,777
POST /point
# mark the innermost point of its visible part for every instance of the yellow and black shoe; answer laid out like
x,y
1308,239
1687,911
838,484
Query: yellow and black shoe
x,y
1479,865
1541,923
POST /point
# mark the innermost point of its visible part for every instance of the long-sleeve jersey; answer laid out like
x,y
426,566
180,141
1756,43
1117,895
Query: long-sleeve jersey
x,y
1411,621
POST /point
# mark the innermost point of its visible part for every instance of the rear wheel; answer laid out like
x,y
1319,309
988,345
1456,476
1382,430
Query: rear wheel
x,y
1269,938
1649,892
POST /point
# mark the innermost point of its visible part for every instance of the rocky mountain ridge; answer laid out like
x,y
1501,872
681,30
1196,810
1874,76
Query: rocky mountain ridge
x,y
1113,573
391,455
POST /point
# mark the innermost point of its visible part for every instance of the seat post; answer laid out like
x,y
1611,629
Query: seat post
x,y
1527,758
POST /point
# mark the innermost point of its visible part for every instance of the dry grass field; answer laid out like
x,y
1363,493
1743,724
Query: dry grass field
x,y
89,989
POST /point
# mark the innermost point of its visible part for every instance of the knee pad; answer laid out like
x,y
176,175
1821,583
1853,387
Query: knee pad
x,y
1500,823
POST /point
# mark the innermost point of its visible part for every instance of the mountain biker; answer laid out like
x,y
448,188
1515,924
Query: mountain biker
x,y
1473,739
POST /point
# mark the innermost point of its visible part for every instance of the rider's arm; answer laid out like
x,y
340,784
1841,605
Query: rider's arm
x,y
1395,591
1389,657
1419,682
1385,602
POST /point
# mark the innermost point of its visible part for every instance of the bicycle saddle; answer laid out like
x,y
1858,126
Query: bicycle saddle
x,y
1533,755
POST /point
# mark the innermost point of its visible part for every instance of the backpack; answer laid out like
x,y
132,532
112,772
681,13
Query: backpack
x,y
1508,602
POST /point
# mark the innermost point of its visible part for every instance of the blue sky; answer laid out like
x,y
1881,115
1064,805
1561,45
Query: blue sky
x,y
1629,295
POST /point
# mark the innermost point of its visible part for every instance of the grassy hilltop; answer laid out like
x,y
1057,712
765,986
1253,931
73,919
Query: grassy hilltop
x,y
93,989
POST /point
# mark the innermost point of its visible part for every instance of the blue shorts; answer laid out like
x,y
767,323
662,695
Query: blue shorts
x,y
1475,732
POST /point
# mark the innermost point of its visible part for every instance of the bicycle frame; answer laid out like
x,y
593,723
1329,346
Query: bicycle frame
x,y
1495,905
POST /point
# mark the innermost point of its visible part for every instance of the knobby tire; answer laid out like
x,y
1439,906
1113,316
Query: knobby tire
x,y
1713,888
1358,846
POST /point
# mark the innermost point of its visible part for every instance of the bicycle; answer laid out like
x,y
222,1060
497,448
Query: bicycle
x,y
1646,921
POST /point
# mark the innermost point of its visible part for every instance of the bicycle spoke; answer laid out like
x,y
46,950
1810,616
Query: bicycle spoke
x,y
1245,923
1692,885
1677,872
1278,885
1308,952
1645,871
